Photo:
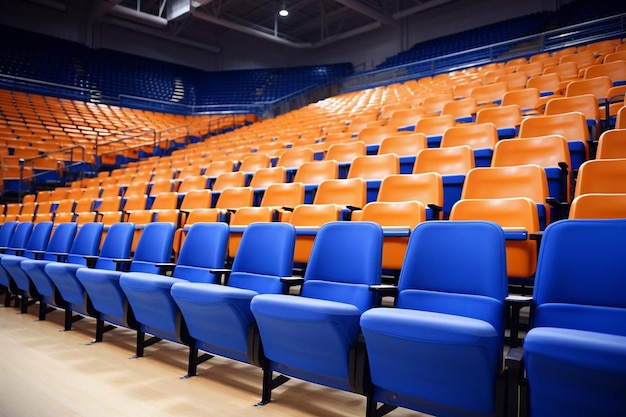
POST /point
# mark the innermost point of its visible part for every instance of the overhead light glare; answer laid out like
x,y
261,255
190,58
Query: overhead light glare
x,y
283,12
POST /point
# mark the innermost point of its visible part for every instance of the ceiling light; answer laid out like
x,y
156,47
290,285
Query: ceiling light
x,y
283,12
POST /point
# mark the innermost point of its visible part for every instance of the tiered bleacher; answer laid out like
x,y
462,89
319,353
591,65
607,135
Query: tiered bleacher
x,y
411,243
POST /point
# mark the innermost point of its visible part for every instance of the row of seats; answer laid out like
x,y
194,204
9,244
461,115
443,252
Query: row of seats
x,y
449,304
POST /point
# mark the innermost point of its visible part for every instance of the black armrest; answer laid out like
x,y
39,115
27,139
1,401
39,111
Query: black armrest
x,y
61,256
122,263
99,216
537,236
18,251
289,282
223,274
383,290
91,260
562,208
231,210
287,208
165,267
38,254
3,249
353,208
515,303
436,209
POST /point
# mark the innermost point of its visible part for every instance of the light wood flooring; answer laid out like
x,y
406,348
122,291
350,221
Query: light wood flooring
x,y
48,372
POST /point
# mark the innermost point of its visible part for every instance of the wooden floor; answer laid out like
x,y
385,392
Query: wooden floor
x,y
47,372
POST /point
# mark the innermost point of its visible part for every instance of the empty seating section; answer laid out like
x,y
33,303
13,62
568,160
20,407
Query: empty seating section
x,y
268,242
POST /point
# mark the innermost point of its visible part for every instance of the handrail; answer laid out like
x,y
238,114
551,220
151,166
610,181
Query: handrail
x,y
547,41
66,167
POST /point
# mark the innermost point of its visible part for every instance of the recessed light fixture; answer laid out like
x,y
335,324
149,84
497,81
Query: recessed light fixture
x,y
283,12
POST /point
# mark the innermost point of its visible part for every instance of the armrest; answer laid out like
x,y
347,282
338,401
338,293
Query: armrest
x,y
517,392
223,274
3,249
287,208
165,267
537,236
91,260
515,303
562,207
515,233
38,254
353,208
61,256
383,290
289,282
18,251
436,209
122,263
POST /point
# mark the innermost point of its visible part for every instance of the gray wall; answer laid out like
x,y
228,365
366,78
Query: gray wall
x,y
240,51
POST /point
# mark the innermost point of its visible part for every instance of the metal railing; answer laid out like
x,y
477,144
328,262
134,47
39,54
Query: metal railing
x,y
574,35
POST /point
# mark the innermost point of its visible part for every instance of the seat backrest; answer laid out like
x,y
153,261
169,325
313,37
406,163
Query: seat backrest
x,y
345,151
546,83
345,260
504,182
612,144
21,235
110,204
502,116
476,136
406,116
193,182
457,160
154,246
403,145
161,185
461,108
235,197
196,199
253,162
294,157
283,195
516,213
426,188
61,240
265,255
598,206
586,104
601,176
39,238
579,282
374,167
243,217
316,172
86,242
572,126
6,233
616,71
348,192
404,214
526,99
263,177
165,200
216,168
229,179
597,86
546,151
457,268
375,135
489,94
434,125
204,248
116,245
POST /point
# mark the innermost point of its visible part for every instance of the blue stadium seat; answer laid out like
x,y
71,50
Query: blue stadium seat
x,y
262,265
315,337
103,285
575,351
18,282
149,296
116,245
439,351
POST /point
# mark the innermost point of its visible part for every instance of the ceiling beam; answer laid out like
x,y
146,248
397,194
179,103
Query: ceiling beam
x,y
162,34
420,8
368,11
